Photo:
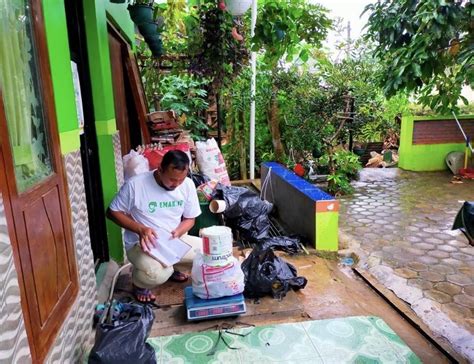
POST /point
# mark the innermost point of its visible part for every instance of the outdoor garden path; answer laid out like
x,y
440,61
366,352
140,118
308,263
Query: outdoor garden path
x,y
399,223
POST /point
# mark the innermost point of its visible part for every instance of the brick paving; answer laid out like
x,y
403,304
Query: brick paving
x,y
400,224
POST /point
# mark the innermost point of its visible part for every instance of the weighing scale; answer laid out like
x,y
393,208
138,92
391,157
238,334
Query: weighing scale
x,y
201,309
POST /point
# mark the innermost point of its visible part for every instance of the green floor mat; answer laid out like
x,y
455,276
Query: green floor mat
x,y
360,339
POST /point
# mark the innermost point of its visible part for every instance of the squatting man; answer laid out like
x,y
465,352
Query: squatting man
x,y
164,198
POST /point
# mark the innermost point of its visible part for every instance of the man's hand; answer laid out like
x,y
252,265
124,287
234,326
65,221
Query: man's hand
x,y
147,238
185,225
147,235
175,234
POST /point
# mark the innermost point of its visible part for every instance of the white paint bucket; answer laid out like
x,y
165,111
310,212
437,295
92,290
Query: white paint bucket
x,y
216,245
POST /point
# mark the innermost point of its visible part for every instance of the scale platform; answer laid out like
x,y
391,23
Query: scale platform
x,y
200,309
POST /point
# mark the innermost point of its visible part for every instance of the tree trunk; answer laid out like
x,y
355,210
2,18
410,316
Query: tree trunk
x,y
331,168
274,125
229,121
348,116
242,150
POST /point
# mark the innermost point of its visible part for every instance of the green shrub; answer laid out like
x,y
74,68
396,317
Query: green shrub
x,y
347,167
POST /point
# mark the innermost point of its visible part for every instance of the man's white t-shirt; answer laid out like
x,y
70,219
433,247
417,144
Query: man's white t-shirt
x,y
151,205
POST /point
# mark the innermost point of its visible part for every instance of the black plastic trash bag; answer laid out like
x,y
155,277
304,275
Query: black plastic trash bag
x,y
123,340
198,178
265,273
465,221
290,245
245,211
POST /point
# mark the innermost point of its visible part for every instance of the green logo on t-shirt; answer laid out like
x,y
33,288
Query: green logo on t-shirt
x,y
164,204
152,206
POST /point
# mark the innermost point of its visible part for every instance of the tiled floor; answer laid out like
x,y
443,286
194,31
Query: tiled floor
x,y
403,220
359,339
399,223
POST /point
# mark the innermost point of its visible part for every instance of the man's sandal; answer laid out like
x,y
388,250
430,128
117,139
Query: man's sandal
x,y
178,276
143,295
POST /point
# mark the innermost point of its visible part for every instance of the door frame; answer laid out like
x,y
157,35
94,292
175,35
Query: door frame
x,y
89,145
134,94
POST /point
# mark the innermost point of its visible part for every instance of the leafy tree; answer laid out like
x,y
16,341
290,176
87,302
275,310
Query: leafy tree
x,y
236,109
187,96
314,109
427,47
287,28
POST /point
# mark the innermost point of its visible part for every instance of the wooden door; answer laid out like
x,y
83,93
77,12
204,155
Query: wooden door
x,y
33,183
120,99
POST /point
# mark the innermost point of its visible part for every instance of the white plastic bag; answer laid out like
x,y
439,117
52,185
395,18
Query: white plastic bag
x,y
211,162
133,164
215,282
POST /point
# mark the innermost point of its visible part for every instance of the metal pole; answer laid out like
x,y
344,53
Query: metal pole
x,y
468,144
253,62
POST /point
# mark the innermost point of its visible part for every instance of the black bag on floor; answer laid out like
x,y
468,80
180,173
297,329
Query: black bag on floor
x,y
265,273
287,244
123,339
465,221
245,211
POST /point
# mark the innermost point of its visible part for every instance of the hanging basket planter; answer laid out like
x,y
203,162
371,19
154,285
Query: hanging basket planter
x,y
140,13
148,29
156,45
237,7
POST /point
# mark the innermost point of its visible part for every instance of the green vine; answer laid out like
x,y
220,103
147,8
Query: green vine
x,y
215,53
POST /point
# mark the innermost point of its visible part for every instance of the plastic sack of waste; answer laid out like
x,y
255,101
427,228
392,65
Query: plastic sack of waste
x,y
465,221
133,164
211,162
215,282
123,339
290,245
155,154
267,274
245,211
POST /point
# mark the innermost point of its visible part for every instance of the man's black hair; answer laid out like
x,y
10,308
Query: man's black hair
x,y
177,158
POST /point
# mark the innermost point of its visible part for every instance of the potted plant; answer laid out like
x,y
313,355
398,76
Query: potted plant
x,y
359,148
148,29
156,45
141,11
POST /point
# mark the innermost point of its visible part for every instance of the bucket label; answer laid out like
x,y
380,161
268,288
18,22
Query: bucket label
x,y
214,260
217,242
205,245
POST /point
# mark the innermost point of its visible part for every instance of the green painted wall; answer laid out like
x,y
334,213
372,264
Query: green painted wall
x,y
99,59
109,187
426,157
327,224
119,16
97,12
61,75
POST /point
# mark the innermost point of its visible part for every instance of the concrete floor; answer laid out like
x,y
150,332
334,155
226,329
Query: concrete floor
x,y
335,291
332,291
399,224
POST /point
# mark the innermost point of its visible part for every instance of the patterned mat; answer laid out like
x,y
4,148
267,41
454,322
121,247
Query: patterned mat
x,y
360,339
